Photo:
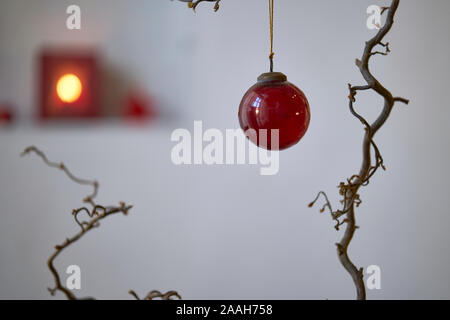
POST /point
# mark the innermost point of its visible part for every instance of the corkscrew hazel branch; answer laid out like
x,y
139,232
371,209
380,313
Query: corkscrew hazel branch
x,y
349,190
152,295
95,215
62,167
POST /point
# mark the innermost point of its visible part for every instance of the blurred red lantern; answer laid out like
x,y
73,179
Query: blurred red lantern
x,y
6,114
69,84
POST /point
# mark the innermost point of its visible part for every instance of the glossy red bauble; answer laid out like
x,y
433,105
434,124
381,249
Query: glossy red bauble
x,y
274,103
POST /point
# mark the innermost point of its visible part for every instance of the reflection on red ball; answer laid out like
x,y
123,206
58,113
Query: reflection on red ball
x,y
274,103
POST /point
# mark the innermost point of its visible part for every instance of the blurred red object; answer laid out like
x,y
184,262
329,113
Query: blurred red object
x,y
69,84
6,115
139,106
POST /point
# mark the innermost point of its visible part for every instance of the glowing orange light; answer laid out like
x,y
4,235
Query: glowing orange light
x,y
69,88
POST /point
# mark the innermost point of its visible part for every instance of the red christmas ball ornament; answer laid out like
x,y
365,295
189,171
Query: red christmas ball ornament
x,y
274,103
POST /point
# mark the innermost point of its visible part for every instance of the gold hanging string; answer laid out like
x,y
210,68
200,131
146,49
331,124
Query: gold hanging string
x,y
271,34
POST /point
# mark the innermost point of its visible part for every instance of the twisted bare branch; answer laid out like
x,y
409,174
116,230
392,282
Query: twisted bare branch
x,y
152,295
95,215
349,190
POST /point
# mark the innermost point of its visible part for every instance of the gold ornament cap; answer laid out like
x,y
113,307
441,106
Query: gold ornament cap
x,y
272,77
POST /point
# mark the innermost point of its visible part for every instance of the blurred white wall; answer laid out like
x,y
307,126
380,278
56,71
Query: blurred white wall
x,y
225,231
